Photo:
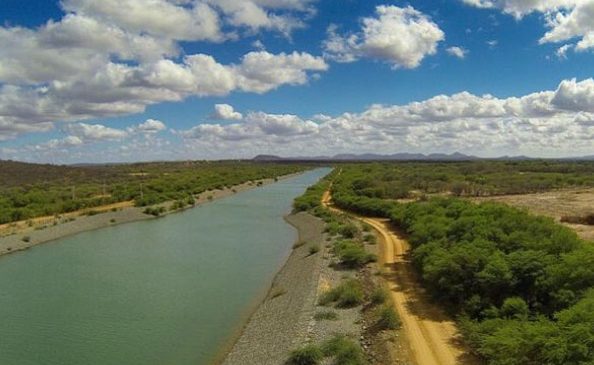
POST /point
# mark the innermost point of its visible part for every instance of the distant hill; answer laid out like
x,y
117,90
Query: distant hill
x,y
267,158
456,156
374,157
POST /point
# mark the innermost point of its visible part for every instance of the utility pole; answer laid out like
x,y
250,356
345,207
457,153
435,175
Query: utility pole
x,y
73,192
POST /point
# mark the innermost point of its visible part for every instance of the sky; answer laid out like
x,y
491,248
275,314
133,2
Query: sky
x,y
141,80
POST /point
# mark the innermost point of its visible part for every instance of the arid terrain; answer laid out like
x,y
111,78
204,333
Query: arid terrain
x,y
555,204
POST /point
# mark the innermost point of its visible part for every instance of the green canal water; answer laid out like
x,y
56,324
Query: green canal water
x,y
170,291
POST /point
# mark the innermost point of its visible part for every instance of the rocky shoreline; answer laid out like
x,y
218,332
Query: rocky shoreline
x,y
283,319
291,315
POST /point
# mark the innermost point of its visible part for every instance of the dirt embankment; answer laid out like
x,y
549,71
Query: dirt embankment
x,y
431,336
23,235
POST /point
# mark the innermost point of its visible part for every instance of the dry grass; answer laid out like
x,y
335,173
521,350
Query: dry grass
x,y
555,204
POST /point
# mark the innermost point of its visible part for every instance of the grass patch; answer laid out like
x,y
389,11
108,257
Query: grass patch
x,y
308,355
379,296
326,316
341,349
344,351
346,295
387,319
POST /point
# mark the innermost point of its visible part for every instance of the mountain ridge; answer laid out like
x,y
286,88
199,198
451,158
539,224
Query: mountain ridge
x,y
456,156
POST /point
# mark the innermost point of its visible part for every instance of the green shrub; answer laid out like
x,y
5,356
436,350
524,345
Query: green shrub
x,y
344,351
387,318
370,239
352,255
154,211
332,228
379,296
346,295
515,308
177,205
349,230
308,355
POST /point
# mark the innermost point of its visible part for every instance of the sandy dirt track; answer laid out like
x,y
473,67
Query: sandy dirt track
x,y
432,336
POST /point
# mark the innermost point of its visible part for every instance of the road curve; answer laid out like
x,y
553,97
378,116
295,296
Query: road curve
x,y
432,336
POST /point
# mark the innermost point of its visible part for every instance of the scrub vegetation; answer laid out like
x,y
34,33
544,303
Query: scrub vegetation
x,y
30,190
340,349
522,286
352,295
481,178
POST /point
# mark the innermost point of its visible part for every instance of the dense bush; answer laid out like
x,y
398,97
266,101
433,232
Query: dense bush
x,y
521,283
396,180
352,254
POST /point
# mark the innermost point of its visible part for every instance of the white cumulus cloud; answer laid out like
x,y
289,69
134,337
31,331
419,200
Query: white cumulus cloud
x,y
402,37
567,20
110,58
547,123
226,112
459,52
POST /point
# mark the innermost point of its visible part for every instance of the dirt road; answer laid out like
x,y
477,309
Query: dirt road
x,y
432,337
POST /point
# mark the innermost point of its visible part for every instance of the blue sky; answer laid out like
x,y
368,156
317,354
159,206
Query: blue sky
x,y
404,88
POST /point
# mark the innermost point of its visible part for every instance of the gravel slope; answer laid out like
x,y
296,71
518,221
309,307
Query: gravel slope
x,y
282,322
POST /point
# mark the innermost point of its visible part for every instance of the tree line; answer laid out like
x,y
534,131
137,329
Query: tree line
x,y
30,190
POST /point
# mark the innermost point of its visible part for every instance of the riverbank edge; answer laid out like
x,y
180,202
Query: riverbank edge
x,y
28,239
263,338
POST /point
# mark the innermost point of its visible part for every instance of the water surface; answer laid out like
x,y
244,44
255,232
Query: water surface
x,y
169,291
